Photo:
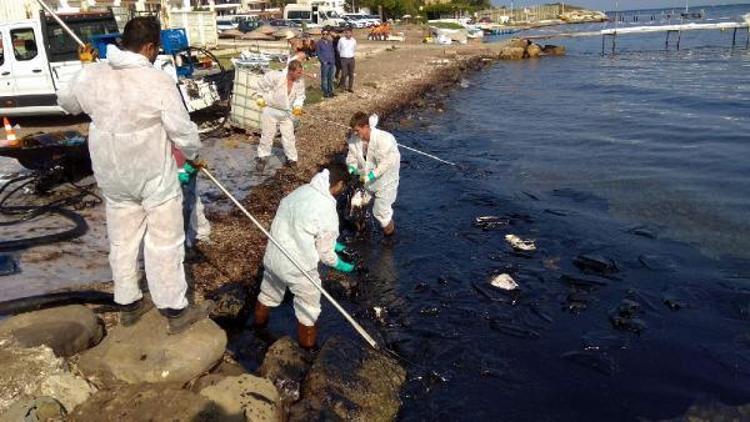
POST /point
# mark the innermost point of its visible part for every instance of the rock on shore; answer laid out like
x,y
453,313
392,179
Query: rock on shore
x,y
349,381
144,353
246,397
149,402
67,330
33,372
518,49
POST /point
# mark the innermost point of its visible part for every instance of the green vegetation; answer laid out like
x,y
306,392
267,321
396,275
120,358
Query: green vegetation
x,y
398,8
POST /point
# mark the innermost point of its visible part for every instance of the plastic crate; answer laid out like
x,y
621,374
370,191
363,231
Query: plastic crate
x,y
245,112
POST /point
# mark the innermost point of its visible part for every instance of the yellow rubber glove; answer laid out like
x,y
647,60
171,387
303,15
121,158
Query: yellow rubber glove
x,y
87,53
297,111
260,102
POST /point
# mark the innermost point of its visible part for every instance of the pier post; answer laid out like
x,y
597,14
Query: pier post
x,y
679,36
614,37
734,37
666,44
747,40
603,38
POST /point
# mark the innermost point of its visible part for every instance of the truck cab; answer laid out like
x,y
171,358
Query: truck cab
x,y
37,58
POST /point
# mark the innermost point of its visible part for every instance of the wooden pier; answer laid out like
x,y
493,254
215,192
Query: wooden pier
x,y
668,29
679,29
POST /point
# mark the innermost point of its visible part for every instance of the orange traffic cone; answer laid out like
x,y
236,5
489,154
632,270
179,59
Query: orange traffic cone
x,y
10,134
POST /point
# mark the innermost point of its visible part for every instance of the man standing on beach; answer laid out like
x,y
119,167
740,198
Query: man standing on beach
x,y
306,225
282,96
374,157
327,58
347,47
137,114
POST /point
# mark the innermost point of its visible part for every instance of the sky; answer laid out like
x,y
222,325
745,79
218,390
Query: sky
x,y
626,4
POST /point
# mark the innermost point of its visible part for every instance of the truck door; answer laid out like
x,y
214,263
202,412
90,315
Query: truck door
x,y
29,67
6,77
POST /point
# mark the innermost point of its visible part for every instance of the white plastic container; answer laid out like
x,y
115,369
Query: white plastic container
x,y
245,112
200,27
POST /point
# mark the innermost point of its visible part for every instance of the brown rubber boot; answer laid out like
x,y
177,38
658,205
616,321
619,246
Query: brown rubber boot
x,y
306,335
389,229
132,313
180,320
262,312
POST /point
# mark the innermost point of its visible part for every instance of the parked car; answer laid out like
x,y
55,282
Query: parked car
x,y
356,21
374,20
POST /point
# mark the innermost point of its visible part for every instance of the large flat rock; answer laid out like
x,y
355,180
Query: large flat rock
x,y
67,330
144,353
350,381
148,402
246,397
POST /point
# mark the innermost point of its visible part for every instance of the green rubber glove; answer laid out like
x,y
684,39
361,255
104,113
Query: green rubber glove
x,y
353,170
371,176
344,266
183,177
190,170
339,247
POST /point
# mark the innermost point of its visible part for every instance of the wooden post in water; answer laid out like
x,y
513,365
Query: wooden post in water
x,y
603,38
679,36
614,37
734,37
747,40
666,44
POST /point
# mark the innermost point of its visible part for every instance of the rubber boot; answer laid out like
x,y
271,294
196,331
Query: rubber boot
x,y
307,335
262,312
132,313
181,320
389,229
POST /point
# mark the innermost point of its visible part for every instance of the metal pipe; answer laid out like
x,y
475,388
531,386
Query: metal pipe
x,y
294,261
62,24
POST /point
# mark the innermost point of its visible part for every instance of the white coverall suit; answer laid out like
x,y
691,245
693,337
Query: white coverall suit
x,y
280,102
307,226
136,114
383,158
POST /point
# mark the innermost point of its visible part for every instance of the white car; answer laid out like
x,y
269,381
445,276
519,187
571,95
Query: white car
x,y
372,20
356,21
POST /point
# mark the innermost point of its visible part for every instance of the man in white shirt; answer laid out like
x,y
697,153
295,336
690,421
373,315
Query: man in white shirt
x,y
347,46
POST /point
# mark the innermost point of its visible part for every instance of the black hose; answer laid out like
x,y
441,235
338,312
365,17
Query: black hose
x,y
35,303
27,212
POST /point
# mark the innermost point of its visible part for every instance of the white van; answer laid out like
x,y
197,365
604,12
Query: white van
x,y
37,57
313,15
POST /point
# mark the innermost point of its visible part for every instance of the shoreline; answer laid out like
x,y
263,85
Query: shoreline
x,y
228,269
238,245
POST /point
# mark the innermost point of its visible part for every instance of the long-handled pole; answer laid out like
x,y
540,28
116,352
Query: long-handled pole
x,y
62,24
399,144
294,261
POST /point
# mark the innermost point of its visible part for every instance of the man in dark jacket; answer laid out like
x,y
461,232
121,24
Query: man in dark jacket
x,y
326,55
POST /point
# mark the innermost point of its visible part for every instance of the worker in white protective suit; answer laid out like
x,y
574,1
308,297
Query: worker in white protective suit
x,y
137,114
374,157
282,95
306,225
